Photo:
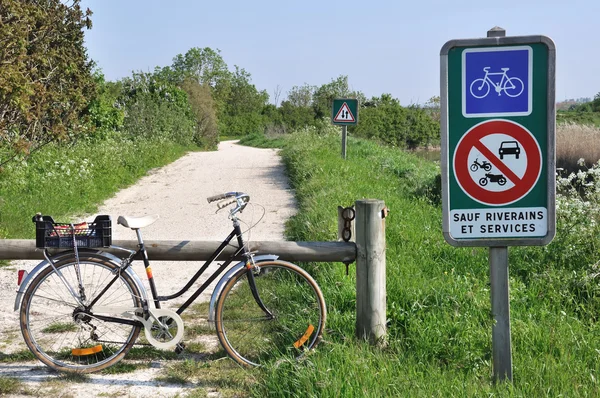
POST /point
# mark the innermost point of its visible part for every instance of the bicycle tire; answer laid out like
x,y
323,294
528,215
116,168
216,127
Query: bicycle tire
x,y
290,294
83,345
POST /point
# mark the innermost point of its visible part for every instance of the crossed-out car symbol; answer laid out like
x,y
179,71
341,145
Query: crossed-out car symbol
x,y
509,148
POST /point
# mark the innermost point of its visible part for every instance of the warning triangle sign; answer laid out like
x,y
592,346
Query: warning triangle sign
x,y
344,115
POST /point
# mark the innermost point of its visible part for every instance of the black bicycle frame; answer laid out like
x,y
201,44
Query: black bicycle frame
x,y
235,233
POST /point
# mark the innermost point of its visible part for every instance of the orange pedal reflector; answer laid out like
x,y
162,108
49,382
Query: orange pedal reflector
x,y
86,351
305,336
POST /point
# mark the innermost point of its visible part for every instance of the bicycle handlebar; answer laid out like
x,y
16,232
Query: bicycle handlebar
x,y
236,195
221,196
240,198
225,203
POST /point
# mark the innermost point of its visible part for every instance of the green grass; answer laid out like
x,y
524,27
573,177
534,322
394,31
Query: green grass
x,y
125,367
438,298
588,118
69,180
24,355
10,385
260,141
59,327
227,377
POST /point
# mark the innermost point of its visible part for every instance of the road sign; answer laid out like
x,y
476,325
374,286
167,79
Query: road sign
x,y
344,111
344,115
497,162
498,151
497,81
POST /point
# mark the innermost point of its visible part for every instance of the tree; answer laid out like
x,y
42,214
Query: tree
x,y
207,67
301,96
385,120
433,107
243,110
156,109
45,74
105,117
338,88
276,95
203,107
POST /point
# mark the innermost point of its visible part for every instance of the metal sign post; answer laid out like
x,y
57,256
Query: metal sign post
x,y
344,113
498,156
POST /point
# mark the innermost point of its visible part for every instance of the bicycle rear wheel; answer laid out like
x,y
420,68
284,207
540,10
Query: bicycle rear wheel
x,y
60,334
249,335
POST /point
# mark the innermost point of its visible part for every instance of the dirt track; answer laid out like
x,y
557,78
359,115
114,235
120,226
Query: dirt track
x,y
177,193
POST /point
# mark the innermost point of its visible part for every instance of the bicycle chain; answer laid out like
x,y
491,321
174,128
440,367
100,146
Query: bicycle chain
x,y
121,342
348,214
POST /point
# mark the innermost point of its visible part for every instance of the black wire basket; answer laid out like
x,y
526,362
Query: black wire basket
x,y
50,234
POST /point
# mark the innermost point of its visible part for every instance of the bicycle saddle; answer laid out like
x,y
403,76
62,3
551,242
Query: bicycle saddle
x,y
136,222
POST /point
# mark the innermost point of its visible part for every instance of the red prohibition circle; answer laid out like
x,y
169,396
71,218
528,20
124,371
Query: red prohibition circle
x,y
473,139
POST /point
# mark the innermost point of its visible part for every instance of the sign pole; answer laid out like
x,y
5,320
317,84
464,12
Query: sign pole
x,y
344,113
499,290
344,135
501,345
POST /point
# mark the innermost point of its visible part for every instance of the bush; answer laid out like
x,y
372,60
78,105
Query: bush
x,y
383,119
206,134
156,109
105,117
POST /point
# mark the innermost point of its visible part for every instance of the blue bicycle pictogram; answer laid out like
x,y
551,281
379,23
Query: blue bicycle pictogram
x,y
512,86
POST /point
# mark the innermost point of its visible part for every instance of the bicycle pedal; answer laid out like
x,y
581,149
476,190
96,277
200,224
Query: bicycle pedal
x,y
179,348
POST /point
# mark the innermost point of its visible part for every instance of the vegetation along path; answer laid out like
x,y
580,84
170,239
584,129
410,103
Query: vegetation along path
x,y
177,193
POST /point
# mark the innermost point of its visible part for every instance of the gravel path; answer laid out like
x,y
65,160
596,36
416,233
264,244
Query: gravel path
x,y
177,193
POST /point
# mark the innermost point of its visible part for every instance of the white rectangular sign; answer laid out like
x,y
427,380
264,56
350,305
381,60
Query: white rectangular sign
x,y
499,223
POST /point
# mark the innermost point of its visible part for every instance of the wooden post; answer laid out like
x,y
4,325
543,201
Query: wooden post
x,y
370,271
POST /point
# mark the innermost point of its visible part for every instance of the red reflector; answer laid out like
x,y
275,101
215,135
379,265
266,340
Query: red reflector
x,y
22,275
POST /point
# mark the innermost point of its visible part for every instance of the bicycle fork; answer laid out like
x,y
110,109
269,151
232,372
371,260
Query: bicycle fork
x,y
250,266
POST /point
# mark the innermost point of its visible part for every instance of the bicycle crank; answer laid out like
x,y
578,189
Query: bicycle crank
x,y
163,328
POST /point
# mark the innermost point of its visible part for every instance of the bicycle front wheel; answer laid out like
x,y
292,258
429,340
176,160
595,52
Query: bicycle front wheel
x,y
58,330
294,321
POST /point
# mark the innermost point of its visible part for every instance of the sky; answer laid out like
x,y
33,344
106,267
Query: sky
x,y
382,46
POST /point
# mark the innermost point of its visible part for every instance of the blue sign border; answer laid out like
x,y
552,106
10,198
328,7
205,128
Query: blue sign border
x,y
529,85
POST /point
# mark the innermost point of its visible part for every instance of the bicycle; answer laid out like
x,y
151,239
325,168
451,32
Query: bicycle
x,y
83,309
512,86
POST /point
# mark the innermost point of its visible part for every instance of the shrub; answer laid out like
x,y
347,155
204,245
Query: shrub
x,y
206,134
156,109
385,120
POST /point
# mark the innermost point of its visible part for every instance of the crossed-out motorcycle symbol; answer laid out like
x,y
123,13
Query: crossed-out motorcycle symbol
x,y
487,166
